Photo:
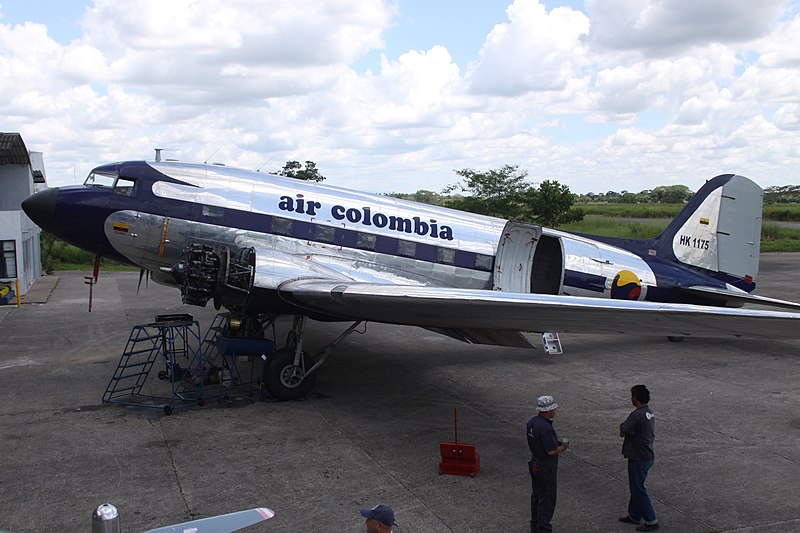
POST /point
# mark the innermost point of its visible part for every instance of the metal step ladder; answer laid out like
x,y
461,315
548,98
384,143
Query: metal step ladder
x,y
216,361
169,339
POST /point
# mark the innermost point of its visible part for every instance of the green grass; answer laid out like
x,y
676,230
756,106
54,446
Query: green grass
x,y
774,238
777,212
782,212
617,227
632,210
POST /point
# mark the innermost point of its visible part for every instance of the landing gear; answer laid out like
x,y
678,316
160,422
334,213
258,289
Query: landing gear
x,y
285,380
290,373
675,338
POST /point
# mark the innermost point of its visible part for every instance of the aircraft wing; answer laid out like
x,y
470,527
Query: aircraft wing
x,y
448,308
739,297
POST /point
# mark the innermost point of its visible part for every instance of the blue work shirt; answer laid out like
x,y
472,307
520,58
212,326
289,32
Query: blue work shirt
x,y
542,438
640,432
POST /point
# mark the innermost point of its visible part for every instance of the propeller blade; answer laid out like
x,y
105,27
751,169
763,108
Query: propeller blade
x,y
141,275
221,523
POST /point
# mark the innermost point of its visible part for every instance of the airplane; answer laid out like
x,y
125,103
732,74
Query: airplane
x,y
263,245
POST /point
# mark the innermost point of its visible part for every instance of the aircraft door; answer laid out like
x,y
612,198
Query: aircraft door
x,y
513,265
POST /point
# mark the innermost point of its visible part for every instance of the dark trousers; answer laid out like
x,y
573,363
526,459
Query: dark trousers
x,y
544,488
640,507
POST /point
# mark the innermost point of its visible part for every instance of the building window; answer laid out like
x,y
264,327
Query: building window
x,y
8,268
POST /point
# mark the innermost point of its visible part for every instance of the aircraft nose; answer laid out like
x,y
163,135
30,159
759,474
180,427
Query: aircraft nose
x,y
40,207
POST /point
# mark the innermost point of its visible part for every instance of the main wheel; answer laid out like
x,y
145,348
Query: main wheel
x,y
675,338
283,380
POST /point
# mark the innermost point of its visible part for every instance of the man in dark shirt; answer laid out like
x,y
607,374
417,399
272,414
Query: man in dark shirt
x,y
545,447
638,430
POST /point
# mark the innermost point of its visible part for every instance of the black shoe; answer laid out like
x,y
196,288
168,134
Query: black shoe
x,y
648,527
628,520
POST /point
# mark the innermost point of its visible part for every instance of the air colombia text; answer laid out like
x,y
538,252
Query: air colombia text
x,y
366,217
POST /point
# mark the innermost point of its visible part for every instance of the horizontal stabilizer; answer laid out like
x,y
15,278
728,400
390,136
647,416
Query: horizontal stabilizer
x,y
738,298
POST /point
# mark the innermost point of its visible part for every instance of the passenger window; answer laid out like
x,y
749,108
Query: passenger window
x,y
445,255
281,226
406,248
365,241
213,211
483,262
325,234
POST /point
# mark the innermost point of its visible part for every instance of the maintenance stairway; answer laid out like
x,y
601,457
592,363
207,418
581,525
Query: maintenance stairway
x,y
212,364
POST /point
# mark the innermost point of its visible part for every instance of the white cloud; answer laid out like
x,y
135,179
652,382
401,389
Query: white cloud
x,y
536,50
787,117
659,27
598,103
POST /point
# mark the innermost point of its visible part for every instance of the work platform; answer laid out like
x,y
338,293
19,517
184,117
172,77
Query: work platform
x,y
195,370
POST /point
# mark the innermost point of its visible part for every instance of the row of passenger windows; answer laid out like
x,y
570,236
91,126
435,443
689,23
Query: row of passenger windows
x,y
380,243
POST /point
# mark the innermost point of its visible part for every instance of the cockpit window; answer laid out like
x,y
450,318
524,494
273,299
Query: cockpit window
x,y
125,187
96,179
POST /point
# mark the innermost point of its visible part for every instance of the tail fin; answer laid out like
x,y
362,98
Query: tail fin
x,y
719,230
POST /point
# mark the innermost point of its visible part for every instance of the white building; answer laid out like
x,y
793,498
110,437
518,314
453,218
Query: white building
x,y
21,174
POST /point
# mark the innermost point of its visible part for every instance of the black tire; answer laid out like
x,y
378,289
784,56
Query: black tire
x,y
675,338
167,410
285,382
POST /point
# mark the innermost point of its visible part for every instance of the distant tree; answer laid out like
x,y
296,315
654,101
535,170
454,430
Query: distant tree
x,y
504,193
782,194
551,205
671,194
422,196
501,192
293,169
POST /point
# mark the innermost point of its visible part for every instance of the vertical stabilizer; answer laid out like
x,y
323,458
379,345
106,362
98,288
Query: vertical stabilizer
x,y
719,230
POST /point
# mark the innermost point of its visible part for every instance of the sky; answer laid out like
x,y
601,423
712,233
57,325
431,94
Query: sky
x,y
396,95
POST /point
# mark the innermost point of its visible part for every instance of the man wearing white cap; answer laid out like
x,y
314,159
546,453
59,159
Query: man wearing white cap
x,y
545,447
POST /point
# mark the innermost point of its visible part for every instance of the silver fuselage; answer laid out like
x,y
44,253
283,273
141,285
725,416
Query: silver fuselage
x,y
364,237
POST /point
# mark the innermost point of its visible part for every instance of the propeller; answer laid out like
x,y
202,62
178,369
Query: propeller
x,y
219,524
106,519
143,273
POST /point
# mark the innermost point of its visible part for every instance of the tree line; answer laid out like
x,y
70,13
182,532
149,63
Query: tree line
x,y
506,193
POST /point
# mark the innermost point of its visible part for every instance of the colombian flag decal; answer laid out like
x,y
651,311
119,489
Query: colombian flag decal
x,y
122,228
704,221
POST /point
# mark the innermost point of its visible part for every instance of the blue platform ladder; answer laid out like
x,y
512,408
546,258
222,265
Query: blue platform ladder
x,y
168,340
217,360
